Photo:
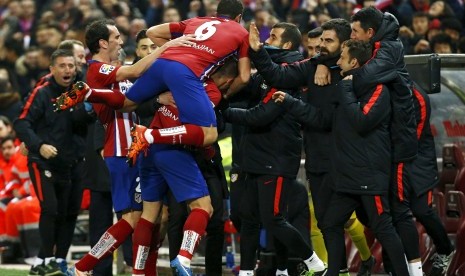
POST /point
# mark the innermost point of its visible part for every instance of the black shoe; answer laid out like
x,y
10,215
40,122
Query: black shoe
x,y
53,269
440,264
366,267
37,270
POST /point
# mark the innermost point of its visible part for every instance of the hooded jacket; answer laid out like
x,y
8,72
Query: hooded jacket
x,y
386,64
272,142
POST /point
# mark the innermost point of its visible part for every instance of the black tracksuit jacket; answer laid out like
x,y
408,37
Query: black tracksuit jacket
x,y
38,124
423,173
360,141
273,142
316,138
385,66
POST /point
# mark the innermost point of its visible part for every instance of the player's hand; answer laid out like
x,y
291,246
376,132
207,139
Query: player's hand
x,y
279,96
48,151
23,149
322,75
166,98
254,37
185,40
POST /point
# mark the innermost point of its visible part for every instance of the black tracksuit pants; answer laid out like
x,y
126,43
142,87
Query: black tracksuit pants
x,y
265,203
376,210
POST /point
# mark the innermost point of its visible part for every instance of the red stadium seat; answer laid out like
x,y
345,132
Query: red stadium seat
x,y
452,163
455,211
457,265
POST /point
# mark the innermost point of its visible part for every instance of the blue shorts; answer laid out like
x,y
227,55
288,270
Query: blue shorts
x,y
170,167
191,99
125,189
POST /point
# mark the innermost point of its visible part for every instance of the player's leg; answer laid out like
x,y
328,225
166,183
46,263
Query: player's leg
x,y
125,200
153,188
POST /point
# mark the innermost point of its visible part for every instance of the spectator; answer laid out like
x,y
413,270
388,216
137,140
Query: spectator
x,y
453,28
414,39
442,44
313,42
171,14
440,10
10,99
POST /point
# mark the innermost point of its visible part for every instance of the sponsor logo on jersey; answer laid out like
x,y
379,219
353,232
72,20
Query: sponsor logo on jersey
x,y
165,111
106,69
48,173
124,86
103,245
202,47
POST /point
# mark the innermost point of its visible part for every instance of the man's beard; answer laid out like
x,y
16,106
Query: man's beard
x,y
327,55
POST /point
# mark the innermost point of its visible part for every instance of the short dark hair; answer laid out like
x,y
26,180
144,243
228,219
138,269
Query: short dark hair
x,y
362,51
451,23
229,68
95,31
315,32
441,38
340,26
369,17
141,35
229,8
5,120
69,44
7,138
420,14
60,53
291,34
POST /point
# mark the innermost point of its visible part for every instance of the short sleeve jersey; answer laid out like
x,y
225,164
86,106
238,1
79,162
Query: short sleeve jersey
x,y
117,124
217,39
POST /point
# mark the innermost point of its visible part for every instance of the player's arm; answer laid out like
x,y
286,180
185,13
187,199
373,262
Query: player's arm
x,y
242,79
135,70
159,34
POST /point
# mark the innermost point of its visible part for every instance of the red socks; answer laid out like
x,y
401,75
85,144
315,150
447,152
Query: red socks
x,y
141,245
110,240
185,134
151,265
194,229
108,97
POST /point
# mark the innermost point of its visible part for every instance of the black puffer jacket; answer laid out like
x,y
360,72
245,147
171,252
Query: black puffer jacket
x,y
273,142
424,169
360,143
388,63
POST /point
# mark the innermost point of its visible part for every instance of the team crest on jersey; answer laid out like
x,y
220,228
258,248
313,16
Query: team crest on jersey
x,y
48,173
264,86
234,177
137,197
106,69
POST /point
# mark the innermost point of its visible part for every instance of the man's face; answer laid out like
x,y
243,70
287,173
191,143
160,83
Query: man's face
x,y
64,70
8,149
115,42
358,33
420,25
79,55
171,15
145,47
345,62
313,46
330,45
442,48
275,38
4,130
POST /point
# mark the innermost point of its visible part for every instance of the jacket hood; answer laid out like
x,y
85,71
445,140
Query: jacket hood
x,y
283,55
389,29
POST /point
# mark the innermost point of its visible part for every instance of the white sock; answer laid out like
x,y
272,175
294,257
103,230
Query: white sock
x,y
38,261
47,260
245,272
184,261
60,260
314,263
148,136
281,272
415,269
